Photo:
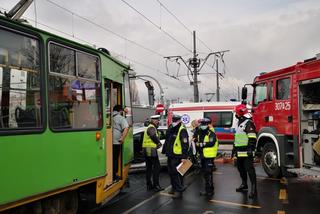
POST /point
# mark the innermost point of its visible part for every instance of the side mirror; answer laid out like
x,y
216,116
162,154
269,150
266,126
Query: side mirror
x,y
244,93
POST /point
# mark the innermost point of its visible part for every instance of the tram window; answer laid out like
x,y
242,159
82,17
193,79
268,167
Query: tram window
x,y
88,66
127,96
74,102
62,60
19,82
107,89
283,89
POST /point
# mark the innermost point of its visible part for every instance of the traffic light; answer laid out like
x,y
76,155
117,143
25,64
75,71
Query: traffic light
x,y
150,92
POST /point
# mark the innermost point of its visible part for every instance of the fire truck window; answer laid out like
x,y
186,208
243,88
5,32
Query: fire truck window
x,y
270,91
260,94
283,89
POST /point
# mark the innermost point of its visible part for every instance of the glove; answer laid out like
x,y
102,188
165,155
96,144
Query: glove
x,y
250,152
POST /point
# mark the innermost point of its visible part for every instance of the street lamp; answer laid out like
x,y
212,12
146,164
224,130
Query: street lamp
x,y
150,92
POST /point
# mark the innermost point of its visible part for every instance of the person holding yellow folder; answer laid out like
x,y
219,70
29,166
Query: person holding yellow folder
x,y
176,149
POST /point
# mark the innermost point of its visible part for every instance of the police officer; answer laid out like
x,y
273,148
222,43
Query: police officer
x,y
207,145
150,145
244,147
176,149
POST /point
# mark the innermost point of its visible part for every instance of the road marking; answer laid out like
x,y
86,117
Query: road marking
x,y
283,194
217,173
281,212
145,201
166,194
153,196
236,204
140,204
267,178
208,212
283,180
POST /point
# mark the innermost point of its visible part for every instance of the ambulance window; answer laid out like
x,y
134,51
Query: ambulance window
x,y
220,119
270,91
260,94
283,89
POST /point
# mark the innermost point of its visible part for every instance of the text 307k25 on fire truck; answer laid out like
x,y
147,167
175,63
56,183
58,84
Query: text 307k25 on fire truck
x,y
286,112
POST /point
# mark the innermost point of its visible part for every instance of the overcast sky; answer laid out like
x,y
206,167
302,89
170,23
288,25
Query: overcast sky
x,y
262,35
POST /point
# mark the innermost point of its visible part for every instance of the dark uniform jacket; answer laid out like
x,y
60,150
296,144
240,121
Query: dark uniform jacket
x,y
171,137
201,135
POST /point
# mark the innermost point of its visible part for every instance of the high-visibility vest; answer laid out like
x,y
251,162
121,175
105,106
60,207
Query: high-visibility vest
x,y
241,138
147,141
177,148
210,152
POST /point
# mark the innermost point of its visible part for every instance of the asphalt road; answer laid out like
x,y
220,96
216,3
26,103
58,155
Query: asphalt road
x,y
280,196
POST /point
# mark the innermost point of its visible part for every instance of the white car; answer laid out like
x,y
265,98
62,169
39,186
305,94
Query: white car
x,y
139,160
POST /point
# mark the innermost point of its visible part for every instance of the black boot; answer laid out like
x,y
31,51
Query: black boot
x,y
203,193
171,191
209,195
253,192
177,195
242,188
158,188
149,186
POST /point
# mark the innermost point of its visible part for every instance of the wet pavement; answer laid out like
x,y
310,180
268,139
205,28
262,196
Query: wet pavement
x,y
280,196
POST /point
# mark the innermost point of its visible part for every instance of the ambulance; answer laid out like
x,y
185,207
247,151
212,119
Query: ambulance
x,y
221,114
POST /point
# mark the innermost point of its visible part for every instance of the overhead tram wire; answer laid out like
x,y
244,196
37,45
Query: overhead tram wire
x,y
55,29
155,25
92,44
106,29
120,36
190,31
157,70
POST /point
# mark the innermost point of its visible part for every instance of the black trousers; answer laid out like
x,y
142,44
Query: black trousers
x,y
116,154
175,178
152,170
207,169
245,166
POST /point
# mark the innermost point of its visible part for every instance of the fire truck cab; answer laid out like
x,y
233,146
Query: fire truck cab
x,y
286,112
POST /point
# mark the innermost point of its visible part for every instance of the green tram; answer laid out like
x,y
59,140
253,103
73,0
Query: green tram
x,y
56,100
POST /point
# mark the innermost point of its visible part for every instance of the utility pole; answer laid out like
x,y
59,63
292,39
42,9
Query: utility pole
x,y
218,87
195,65
195,72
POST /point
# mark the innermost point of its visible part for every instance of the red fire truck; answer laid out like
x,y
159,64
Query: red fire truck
x,y
286,112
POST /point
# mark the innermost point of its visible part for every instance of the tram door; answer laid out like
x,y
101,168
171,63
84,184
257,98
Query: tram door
x,y
113,97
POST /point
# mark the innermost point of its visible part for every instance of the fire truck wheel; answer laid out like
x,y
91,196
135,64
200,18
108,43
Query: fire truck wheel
x,y
270,160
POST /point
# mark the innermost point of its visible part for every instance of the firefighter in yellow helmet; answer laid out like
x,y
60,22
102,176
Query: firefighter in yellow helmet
x,y
207,145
